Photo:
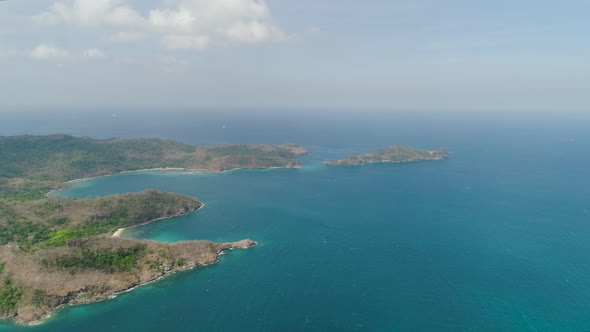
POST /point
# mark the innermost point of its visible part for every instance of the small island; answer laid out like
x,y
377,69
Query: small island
x,y
56,251
393,154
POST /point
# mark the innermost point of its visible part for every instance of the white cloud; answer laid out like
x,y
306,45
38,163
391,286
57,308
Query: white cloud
x,y
172,20
90,13
49,52
179,24
126,36
185,41
93,53
252,32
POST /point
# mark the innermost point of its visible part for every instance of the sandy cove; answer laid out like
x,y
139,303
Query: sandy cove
x,y
119,232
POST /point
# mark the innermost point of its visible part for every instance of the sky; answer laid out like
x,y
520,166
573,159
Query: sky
x,y
305,54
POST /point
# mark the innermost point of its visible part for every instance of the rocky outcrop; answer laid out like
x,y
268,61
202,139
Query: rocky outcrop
x,y
45,283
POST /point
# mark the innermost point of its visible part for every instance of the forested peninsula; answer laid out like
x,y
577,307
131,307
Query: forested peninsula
x,y
33,165
392,154
56,251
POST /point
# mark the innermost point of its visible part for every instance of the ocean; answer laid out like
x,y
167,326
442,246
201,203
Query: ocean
x,y
494,239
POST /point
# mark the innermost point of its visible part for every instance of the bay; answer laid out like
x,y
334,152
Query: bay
x,y
492,239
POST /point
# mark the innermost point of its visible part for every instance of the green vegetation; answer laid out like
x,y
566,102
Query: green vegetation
x,y
39,297
393,154
33,165
53,222
19,189
249,151
25,233
55,238
10,294
155,265
108,261
181,262
64,157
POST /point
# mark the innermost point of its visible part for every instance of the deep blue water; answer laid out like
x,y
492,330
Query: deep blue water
x,y
493,239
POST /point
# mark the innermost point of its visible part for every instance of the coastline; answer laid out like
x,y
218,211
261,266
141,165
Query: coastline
x,y
342,162
162,169
143,263
119,232
254,169
392,155
46,318
74,181
158,169
221,252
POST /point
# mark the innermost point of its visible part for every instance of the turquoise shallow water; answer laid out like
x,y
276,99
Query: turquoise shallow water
x,y
493,239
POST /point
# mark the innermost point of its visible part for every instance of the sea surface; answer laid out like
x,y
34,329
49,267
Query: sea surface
x,y
495,239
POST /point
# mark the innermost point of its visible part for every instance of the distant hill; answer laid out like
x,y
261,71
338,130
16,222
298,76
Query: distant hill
x,y
33,165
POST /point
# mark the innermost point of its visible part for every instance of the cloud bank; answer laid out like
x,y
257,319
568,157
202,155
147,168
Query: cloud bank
x,y
180,24
51,52
48,52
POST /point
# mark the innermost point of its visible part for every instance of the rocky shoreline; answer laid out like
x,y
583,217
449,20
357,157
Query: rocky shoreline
x,y
192,253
